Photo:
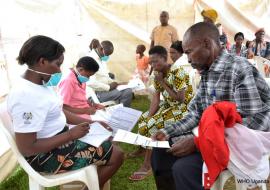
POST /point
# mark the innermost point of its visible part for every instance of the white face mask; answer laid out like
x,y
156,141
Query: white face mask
x,y
54,79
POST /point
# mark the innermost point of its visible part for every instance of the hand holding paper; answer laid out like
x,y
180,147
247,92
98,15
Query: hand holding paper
x,y
97,135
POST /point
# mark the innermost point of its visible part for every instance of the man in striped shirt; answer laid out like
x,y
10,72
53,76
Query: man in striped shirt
x,y
224,77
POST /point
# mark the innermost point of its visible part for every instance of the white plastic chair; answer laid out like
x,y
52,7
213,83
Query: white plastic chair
x,y
87,175
225,175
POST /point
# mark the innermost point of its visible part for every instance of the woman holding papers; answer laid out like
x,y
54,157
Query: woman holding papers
x,y
173,85
73,88
39,122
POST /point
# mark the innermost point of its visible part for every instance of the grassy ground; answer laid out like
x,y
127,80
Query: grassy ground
x,y
18,180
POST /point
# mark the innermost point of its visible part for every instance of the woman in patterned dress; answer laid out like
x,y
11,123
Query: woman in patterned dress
x,y
173,85
39,121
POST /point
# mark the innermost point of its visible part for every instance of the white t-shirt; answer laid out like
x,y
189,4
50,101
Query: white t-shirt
x,y
35,108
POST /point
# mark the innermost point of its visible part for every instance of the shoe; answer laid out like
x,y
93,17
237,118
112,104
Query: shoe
x,y
138,176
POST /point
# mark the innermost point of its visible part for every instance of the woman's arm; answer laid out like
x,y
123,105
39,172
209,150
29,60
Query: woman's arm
x,y
176,95
29,145
87,110
75,119
154,104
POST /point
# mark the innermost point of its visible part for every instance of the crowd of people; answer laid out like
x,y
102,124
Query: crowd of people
x,y
48,124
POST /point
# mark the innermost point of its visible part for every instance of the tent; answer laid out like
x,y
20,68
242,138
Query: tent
x,y
126,23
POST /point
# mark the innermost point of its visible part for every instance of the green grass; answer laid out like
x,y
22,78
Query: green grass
x,y
18,180
120,181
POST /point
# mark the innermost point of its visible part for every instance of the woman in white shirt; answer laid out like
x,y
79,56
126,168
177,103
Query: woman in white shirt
x,y
39,119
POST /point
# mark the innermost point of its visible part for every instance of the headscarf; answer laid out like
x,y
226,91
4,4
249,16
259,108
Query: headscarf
x,y
259,30
211,14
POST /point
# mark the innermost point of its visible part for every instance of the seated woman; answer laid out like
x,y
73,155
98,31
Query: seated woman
x,y
174,86
73,88
39,121
239,48
177,55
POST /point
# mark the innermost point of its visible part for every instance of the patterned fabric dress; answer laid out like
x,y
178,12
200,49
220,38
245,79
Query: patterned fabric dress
x,y
169,110
70,156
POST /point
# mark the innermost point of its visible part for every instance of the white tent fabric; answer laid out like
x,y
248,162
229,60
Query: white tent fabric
x,y
126,23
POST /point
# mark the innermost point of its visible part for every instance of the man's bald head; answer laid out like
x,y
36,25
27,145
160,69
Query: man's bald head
x,y
202,30
201,44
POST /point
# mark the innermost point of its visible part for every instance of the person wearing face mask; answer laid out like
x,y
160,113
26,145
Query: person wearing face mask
x,y
39,120
73,88
101,82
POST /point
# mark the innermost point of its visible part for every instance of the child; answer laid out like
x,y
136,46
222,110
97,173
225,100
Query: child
x,y
142,70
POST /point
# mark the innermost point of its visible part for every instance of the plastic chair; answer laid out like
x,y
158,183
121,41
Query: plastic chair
x,y
225,175
87,175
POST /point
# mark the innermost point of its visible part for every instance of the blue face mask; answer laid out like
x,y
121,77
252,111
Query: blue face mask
x,y
81,78
105,58
54,79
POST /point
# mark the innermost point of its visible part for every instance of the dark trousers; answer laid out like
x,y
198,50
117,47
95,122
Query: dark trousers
x,y
173,173
123,96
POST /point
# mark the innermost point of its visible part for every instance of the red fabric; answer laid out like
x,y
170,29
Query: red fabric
x,y
211,140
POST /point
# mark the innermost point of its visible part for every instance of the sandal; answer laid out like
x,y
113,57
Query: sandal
x,y
138,176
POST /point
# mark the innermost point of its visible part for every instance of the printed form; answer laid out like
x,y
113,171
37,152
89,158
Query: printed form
x,y
118,117
136,139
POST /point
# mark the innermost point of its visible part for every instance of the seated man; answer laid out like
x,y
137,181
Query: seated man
x,y
260,47
73,89
101,82
224,77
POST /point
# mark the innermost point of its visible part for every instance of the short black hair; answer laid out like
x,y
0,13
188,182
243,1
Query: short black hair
x,y
177,45
202,29
38,47
223,39
88,64
143,48
239,34
247,43
164,12
160,50
107,45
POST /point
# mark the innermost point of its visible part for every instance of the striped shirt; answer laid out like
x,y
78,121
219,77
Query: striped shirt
x,y
230,78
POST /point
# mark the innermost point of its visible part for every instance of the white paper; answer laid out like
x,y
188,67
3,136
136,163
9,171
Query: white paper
x,y
118,117
136,139
135,84
97,135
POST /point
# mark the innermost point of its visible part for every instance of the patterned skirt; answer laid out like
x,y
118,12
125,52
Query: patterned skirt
x,y
166,115
70,156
